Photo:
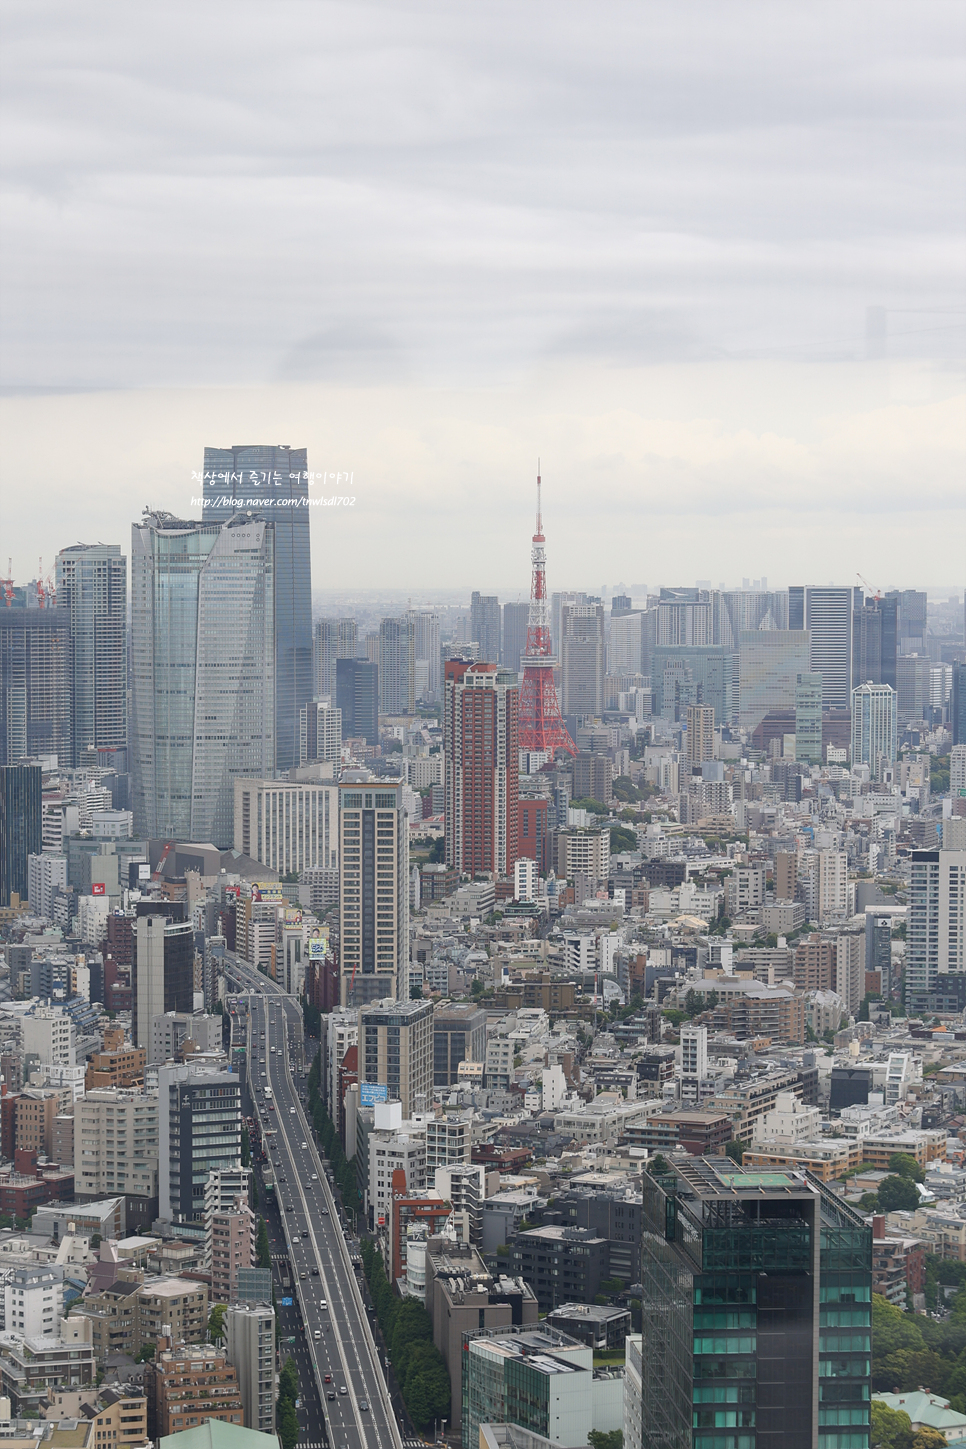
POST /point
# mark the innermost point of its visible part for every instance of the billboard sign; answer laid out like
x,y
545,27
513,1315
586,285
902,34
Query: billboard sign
x,y
267,893
318,950
372,1092
98,888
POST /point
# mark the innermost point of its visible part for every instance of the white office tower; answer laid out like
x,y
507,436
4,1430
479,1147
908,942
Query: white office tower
x,y
250,1335
288,825
202,671
46,874
875,724
935,924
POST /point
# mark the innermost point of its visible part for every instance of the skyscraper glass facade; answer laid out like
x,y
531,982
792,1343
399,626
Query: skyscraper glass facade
x,y
92,588
808,718
35,698
770,661
756,1311
202,671
21,793
278,478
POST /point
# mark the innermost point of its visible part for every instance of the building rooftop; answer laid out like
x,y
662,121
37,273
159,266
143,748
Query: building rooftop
x,y
214,1434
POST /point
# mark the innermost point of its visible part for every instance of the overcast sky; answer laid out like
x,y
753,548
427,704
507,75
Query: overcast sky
x,y
706,260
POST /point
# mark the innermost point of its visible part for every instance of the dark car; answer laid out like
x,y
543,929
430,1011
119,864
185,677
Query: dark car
x,y
315,1272
363,1405
330,1395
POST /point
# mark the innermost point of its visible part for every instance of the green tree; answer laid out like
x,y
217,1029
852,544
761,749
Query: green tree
x,y
606,1438
735,1150
658,1165
216,1321
897,1194
622,839
903,1164
928,1438
263,1253
246,1147
891,1428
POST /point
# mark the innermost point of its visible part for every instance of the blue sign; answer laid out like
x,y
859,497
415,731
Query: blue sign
x,y
287,1302
372,1092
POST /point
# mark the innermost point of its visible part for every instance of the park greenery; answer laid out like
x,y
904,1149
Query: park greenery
x,y
897,1192
408,1334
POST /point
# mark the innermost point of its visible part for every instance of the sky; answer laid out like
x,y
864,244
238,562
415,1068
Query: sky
x,y
706,262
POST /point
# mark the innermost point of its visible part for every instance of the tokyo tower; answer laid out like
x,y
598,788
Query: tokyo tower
x,y
540,723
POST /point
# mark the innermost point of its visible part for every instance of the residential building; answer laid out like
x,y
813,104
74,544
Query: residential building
x,y
29,1366
533,831
162,976
187,1384
875,723
396,1050
116,1143
357,699
92,592
593,776
700,734
33,1300
397,666
793,1253
230,1248
35,682
582,659
957,705
700,1132
203,681
172,1031
481,767
583,852
334,639
46,874
449,1140
463,1186
250,1334
288,825
47,1032
373,892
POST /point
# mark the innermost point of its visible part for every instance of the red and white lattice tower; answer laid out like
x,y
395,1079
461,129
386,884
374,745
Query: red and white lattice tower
x,y
540,724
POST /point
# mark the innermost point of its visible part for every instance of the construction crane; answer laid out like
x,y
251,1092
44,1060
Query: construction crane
x,y
159,868
876,593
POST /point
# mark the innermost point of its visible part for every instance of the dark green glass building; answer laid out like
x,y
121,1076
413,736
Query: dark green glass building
x,y
757,1311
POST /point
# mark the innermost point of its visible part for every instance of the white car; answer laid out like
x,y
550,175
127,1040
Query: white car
x,y
305,1147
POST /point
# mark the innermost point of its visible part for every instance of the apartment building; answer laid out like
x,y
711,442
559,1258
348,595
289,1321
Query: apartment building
x,y
116,1143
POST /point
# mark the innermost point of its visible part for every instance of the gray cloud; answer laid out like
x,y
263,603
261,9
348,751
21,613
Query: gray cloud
x,y
235,194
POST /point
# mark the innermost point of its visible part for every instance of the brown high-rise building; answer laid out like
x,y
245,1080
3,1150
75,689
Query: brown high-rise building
x,y
814,967
187,1384
481,754
786,875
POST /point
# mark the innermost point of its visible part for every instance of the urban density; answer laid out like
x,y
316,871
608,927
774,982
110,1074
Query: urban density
x,y
487,1023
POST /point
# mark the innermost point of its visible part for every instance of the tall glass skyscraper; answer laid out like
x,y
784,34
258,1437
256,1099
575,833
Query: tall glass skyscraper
x,y
35,709
203,681
277,477
757,1309
92,588
770,661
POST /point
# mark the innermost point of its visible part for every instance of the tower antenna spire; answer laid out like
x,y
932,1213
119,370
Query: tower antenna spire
x,y
541,728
